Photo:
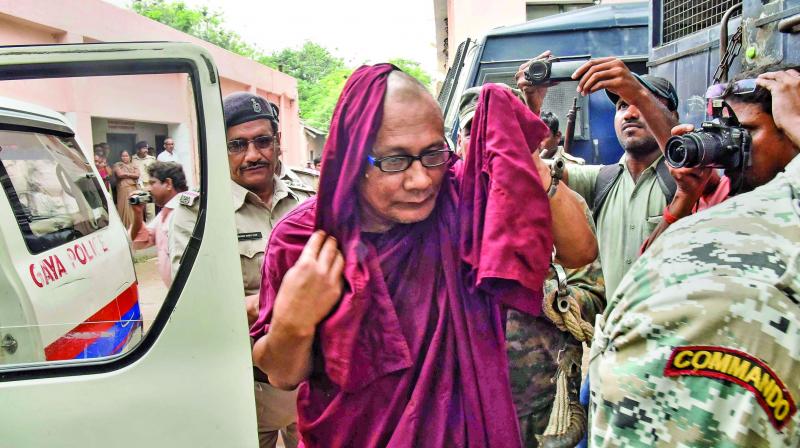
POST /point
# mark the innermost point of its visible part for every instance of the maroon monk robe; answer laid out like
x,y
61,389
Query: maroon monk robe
x,y
414,353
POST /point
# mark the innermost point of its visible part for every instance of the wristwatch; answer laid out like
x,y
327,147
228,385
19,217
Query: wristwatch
x,y
556,172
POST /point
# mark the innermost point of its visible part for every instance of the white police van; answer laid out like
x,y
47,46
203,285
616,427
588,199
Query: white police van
x,y
68,286
76,367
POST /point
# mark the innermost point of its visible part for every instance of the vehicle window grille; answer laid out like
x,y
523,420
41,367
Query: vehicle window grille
x,y
684,17
452,75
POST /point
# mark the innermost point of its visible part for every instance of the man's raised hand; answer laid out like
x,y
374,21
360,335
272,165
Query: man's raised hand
x,y
312,287
785,89
609,73
534,94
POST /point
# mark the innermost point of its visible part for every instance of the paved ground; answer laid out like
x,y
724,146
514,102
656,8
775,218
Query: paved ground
x,y
152,293
152,290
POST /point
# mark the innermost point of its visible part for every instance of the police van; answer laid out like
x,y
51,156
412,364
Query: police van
x,y
81,364
695,46
67,278
607,29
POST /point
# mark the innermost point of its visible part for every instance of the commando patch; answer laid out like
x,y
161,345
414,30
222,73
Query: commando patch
x,y
738,367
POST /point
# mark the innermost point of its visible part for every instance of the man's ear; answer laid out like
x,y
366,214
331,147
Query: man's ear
x,y
168,183
278,143
558,134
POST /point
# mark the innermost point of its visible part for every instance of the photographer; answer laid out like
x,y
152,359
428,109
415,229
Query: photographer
x,y
699,345
166,182
626,198
695,188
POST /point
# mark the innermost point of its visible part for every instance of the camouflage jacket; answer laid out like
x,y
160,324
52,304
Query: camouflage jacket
x,y
700,345
533,343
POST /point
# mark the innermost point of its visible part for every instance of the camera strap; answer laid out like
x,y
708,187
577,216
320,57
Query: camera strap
x,y
609,174
665,180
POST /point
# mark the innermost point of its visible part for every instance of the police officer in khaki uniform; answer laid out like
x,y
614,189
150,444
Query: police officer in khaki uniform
x,y
298,179
260,199
550,146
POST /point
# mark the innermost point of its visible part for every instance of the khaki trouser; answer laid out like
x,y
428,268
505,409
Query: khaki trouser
x,y
276,411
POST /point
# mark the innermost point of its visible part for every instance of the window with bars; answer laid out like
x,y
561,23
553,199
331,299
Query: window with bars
x,y
684,17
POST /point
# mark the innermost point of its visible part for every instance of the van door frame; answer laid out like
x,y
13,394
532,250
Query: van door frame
x,y
197,352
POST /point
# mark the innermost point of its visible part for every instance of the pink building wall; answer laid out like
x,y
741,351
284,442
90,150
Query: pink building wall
x,y
32,22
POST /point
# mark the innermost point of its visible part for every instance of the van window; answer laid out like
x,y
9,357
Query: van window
x,y
53,192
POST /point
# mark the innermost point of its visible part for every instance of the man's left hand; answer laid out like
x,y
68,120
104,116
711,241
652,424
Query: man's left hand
x,y
251,303
691,182
785,89
534,94
542,168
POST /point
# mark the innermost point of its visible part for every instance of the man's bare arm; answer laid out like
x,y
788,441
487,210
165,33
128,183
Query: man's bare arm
x,y
310,289
284,354
612,74
576,244
785,89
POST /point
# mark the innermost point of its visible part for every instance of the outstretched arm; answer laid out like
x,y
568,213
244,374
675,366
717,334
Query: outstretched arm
x,y
612,74
575,242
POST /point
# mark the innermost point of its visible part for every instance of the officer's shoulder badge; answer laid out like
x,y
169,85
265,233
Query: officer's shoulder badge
x,y
187,198
573,159
301,187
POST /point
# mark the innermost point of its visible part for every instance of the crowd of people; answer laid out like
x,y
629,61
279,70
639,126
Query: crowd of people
x,y
436,296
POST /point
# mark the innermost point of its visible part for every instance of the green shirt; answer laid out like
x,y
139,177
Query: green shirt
x,y
630,213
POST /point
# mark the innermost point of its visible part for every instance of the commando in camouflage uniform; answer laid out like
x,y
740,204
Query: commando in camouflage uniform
x,y
700,345
533,344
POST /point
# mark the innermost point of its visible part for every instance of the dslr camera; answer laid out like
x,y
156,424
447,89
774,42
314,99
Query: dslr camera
x,y
720,143
140,197
551,70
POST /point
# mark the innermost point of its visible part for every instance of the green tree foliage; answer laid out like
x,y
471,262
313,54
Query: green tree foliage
x,y
320,79
310,63
413,68
320,74
200,22
321,97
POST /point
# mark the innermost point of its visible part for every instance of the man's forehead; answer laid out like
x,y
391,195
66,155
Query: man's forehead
x,y
260,126
660,99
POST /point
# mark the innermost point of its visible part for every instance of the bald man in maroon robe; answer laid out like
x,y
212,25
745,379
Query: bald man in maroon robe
x,y
383,297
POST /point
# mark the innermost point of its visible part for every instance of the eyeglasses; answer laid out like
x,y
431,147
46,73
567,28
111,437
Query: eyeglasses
x,y
740,87
239,145
428,159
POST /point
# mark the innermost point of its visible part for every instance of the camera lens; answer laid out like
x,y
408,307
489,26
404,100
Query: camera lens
x,y
538,72
681,151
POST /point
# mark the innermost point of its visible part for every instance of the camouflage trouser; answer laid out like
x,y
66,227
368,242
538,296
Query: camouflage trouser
x,y
532,424
535,347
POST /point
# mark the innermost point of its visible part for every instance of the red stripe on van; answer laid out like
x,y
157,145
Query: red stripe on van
x,y
75,341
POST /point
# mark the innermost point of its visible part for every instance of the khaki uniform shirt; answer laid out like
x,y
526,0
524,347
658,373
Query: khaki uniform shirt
x,y
569,158
630,213
299,180
142,164
254,222
701,345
